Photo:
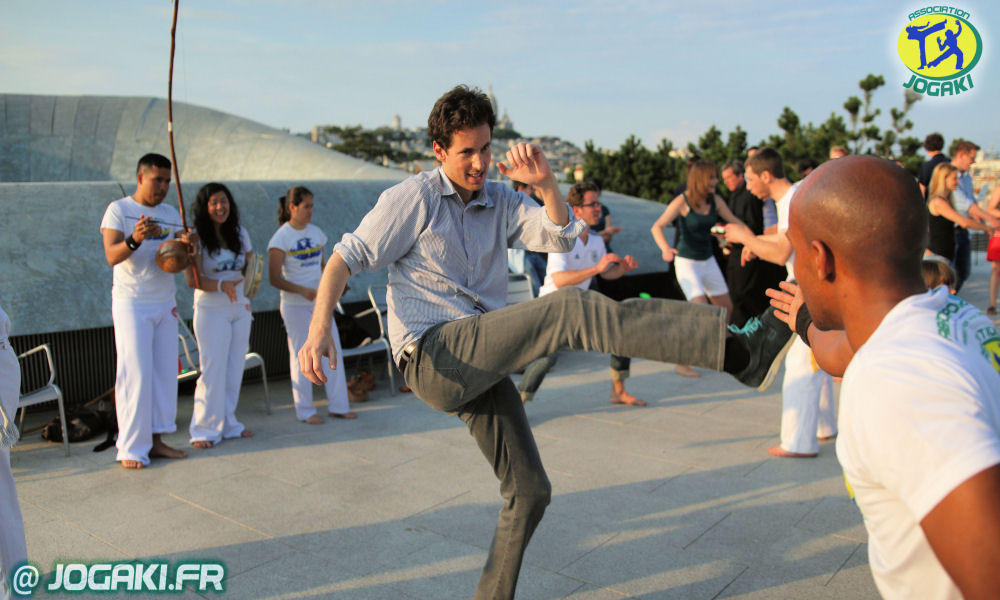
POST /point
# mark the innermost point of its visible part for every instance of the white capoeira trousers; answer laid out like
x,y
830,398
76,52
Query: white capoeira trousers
x,y
807,408
223,334
296,317
13,549
146,382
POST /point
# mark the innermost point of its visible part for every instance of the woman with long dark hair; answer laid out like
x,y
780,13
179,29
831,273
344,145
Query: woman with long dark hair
x,y
221,315
295,265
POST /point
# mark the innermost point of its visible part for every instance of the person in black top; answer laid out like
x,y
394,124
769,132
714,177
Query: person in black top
x,y
933,144
747,282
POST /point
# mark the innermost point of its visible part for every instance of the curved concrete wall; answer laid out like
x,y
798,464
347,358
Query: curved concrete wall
x,y
100,138
64,158
55,277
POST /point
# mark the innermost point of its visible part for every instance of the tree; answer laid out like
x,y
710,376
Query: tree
x,y
637,171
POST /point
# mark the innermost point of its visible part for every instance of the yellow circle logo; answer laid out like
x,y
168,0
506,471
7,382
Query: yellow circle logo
x,y
939,46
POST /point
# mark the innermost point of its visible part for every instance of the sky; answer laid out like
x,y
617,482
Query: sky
x,y
584,70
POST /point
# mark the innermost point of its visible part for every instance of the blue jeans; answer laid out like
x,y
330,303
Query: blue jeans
x,y
461,368
536,263
963,256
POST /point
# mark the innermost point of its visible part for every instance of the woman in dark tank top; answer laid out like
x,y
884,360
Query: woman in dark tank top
x,y
696,210
942,214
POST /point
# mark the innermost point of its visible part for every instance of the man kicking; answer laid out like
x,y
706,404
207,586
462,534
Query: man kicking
x,y
443,235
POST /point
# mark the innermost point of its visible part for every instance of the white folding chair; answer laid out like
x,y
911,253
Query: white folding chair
x,y
48,392
187,352
518,288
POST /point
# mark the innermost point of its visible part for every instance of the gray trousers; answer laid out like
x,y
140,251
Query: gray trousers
x,y
461,367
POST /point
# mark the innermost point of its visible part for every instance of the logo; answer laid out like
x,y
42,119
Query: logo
x,y
991,350
941,47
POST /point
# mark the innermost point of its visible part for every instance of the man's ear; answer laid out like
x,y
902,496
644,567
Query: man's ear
x,y
439,152
822,261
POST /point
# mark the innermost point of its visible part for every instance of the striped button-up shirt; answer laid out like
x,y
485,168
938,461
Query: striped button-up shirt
x,y
447,260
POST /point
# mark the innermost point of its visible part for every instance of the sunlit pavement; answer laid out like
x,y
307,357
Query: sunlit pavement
x,y
675,500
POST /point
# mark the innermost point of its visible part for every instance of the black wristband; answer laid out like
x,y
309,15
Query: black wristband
x,y
802,322
131,243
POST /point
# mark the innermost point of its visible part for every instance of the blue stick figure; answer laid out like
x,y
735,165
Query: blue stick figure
x,y
920,34
949,47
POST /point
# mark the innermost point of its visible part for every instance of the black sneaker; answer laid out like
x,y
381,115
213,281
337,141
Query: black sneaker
x,y
766,340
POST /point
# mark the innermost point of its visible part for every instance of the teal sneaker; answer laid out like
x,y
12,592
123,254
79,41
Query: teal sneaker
x,y
766,340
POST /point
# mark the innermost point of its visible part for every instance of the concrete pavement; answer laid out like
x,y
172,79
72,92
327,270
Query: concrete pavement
x,y
675,500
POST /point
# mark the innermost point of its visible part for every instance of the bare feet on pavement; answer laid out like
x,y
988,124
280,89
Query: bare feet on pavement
x,y
202,444
314,420
131,464
626,398
686,371
161,450
346,415
782,453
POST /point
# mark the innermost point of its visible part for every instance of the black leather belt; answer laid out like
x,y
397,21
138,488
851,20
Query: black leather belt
x,y
404,358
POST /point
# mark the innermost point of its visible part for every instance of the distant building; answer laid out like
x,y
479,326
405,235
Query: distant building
x,y
562,155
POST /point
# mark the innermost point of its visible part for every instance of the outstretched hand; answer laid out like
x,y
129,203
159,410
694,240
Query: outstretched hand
x,y
527,163
786,303
319,346
629,264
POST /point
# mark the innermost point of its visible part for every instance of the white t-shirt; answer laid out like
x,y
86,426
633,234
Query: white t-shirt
x,y
919,415
138,278
303,258
224,265
783,208
582,256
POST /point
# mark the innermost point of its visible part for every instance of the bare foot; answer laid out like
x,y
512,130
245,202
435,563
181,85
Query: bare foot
x,y
131,464
824,438
314,420
202,444
246,434
346,415
626,398
686,371
782,453
161,450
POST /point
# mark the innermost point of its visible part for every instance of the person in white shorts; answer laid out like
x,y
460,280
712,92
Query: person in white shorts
x,y
221,315
807,404
696,211
144,312
13,550
920,401
295,265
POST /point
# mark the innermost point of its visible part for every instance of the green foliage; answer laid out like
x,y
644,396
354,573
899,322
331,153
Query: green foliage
x,y
635,170
505,134
369,144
